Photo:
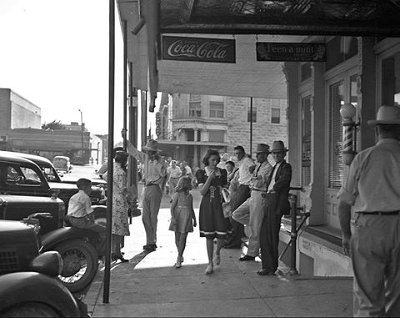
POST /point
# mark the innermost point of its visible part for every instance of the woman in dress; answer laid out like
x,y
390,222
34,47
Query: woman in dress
x,y
120,225
212,222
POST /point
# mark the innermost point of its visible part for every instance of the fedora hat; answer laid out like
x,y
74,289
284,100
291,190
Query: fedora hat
x,y
262,148
278,146
151,145
386,115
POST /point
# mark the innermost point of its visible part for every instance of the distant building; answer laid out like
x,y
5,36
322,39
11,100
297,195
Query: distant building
x,y
17,112
189,125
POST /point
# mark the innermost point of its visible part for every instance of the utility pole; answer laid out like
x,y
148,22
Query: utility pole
x,y
82,130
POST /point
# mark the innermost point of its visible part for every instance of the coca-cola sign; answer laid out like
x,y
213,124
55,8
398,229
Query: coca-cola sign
x,y
198,49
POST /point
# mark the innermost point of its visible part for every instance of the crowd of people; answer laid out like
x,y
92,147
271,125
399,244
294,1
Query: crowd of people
x,y
238,191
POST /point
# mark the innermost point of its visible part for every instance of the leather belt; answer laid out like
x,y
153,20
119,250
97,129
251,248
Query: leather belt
x,y
381,213
254,189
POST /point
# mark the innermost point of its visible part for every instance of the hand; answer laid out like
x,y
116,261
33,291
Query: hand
x,y
346,244
212,175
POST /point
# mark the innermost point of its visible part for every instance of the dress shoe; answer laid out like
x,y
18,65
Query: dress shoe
x,y
265,272
247,258
115,257
150,247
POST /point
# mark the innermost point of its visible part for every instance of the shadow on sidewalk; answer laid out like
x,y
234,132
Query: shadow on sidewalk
x,y
138,258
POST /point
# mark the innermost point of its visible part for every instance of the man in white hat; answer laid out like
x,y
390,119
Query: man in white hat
x,y
372,189
251,212
153,175
278,186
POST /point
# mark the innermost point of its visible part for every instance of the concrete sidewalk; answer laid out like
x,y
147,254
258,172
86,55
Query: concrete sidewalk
x,y
149,285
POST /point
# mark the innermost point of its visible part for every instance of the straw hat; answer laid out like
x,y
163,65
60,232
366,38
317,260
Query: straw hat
x,y
386,115
151,145
262,148
278,146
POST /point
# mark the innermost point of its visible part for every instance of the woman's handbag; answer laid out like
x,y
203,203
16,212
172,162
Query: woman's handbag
x,y
134,212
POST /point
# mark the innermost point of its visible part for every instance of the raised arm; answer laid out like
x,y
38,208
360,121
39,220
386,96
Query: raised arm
x,y
132,151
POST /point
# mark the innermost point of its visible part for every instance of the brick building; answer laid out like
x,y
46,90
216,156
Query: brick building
x,y
190,124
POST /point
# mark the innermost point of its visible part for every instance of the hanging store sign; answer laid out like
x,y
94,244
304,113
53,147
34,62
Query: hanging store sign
x,y
198,49
299,52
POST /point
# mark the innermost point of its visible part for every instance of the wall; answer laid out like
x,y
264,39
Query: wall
x,y
263,130
5,109
24,114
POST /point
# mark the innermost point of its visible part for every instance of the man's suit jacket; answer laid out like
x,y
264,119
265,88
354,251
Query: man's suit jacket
x,y
281,188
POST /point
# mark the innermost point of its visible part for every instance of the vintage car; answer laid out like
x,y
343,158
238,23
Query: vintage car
x,y
28,280
55,183
62,164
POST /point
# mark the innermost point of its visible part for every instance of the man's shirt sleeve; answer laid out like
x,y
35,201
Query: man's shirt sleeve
x,y
349,190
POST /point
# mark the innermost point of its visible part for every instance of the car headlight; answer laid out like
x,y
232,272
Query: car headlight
x,y
49,263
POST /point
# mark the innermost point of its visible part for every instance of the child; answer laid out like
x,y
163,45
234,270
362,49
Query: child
x,y
80,211
182,216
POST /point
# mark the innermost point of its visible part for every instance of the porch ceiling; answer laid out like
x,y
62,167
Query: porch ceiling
x,y
308,17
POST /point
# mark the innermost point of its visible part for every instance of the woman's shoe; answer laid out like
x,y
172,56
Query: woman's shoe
x,y
209,269
178,263
217,259
115,257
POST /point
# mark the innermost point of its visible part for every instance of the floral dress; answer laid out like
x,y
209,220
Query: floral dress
x,y
120,225
212,223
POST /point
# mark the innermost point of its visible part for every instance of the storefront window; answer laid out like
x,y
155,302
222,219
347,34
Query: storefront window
x,y
336,100
391,80
306,140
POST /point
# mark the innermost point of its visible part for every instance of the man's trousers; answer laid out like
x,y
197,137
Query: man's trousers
x,y
251,214
151,205
375,255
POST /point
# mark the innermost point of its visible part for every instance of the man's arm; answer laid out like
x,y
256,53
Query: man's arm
x,y
132,151
344,219
284,178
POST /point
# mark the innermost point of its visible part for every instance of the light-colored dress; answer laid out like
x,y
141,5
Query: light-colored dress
x,y
120,224
183,211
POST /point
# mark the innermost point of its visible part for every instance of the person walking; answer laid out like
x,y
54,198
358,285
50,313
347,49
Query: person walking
x,y
182,216
372,188
251,212
173,175
212,222
120,207
277,200
246,166
153,176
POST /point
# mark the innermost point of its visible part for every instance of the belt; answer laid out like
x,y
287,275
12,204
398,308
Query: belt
x,y
381,213
254,189
174,177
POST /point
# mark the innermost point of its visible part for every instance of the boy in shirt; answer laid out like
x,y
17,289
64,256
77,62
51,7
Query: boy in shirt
x,y
80,211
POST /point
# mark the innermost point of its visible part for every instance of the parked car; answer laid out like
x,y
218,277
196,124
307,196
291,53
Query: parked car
x,y
28,280
62,164
65,189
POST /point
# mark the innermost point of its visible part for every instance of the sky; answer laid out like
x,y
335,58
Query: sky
x,y
55,54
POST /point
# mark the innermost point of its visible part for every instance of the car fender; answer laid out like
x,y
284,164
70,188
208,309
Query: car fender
x,y
50,239
23,287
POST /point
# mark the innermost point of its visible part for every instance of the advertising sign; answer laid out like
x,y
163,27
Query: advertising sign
x,y
198,49
299,52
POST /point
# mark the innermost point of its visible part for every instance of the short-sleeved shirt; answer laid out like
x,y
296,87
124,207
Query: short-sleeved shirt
x,y
264,170
174,173
373,182
79,205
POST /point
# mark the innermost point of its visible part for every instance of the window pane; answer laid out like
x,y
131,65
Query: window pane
x,y
306,140
252,116
275,115
194,109
391,80
216,135
217,109
336,100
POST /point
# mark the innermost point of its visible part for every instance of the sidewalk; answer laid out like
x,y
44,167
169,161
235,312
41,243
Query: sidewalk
x,y
149,285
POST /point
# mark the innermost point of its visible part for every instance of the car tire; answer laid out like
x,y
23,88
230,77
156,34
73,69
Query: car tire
x,y
76,277
31,309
